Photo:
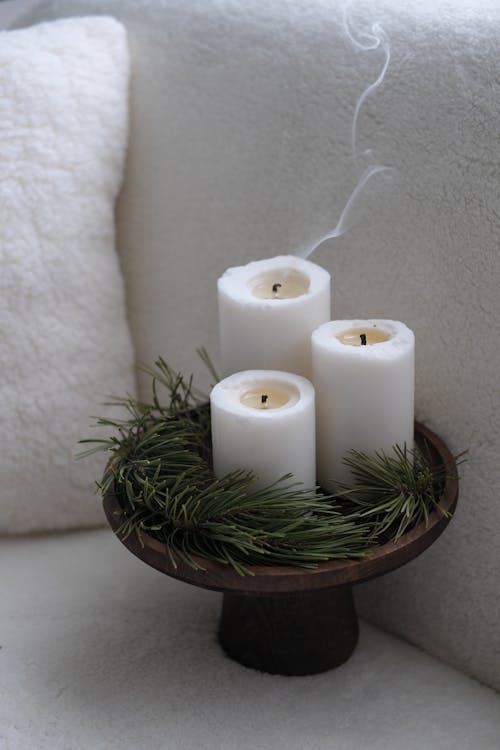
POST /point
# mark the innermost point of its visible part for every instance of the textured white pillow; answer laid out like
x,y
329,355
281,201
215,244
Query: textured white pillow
x,y
64,339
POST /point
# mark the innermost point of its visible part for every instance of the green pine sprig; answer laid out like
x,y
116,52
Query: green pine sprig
x,y
161,472
393,492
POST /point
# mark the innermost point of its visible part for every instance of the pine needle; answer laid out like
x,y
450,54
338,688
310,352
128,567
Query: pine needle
x,y
160,470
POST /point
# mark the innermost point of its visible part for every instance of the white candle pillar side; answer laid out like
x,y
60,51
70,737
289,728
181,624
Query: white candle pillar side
x,y
270,440
265,329
364,393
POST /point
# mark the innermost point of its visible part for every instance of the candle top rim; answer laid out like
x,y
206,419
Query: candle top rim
x,y
226,393
400,337
269,393
235,282
358,333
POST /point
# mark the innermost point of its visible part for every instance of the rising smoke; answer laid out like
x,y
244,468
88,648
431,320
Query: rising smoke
x,y
364,41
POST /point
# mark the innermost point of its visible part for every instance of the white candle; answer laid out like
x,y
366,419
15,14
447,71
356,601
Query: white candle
x,y
264,421
267,312
363,373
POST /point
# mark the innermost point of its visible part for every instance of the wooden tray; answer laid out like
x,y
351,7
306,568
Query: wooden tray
x,y
290,620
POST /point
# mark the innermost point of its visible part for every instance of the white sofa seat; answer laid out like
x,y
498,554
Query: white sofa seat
x,y
100,651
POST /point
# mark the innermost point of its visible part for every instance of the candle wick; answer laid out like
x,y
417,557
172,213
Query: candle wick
x,y
276,287
263,398
362,336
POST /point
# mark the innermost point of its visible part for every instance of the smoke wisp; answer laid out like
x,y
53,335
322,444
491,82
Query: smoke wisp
x,y
365,42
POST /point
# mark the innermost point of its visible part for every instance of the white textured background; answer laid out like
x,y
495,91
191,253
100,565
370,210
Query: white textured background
x,y
241,117
11,9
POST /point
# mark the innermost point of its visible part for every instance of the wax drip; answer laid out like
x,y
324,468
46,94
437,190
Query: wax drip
x,y
263,398
362,336
276,287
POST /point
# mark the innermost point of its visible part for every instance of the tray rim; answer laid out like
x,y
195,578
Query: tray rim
x,y
287,580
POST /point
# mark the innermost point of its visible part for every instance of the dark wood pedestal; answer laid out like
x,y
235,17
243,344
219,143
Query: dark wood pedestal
x,y
291,635
297,621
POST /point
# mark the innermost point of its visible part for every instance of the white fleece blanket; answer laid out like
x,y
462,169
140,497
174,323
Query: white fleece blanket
x,y
241,116
115,656
64,340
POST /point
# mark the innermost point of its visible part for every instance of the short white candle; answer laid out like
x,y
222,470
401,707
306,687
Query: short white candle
x,y
363,373
264,421
267,312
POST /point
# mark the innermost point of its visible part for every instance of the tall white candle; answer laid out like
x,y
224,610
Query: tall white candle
x,y
263,421
363,373
267,312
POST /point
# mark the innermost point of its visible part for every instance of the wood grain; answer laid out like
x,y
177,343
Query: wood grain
x,y
301,634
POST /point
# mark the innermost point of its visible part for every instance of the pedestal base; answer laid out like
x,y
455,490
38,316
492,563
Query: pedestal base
x,y
298,634
297,621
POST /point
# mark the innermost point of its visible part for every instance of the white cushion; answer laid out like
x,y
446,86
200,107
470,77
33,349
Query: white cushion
x,y
64,339
101,651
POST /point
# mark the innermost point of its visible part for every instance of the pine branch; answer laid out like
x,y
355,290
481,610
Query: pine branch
x,y
160,471
395,491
